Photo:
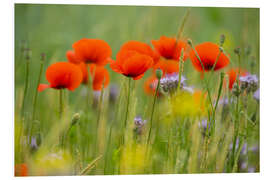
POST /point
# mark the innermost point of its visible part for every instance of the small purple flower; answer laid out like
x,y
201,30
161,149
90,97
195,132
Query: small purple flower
x,y
169,83
203,126
114,91
256,95
248,83
251,169
139,125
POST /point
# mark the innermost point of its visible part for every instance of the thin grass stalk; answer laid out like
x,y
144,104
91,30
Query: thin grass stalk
x,y
90,165
36,92
236,118
181,68
152,113
181,28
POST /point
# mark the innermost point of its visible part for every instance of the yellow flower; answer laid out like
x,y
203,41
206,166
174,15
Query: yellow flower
x,y
133,159
186,104
56,162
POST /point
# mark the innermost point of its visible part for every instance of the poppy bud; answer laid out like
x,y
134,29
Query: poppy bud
x,y
189,41
236,90
43,56
28,53
222,39
237,50
248,50
23,46
221,49
75,119
159,73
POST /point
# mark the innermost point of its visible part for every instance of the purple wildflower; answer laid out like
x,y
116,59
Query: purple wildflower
x,y
169,83
256,95
248,83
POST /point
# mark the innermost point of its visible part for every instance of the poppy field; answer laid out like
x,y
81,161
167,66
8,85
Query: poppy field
x,y
112,90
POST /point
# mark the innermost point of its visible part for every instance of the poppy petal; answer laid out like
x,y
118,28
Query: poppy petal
x,y
42,87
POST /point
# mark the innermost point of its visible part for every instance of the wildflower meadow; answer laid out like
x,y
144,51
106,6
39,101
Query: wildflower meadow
x,y
112,90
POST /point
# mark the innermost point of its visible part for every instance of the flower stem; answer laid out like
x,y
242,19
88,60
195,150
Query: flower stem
x,y
152,113
60,103
215,108
99,116
205,82
128,98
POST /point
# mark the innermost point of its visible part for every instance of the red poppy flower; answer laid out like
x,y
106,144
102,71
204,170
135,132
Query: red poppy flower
x,y
71,56
62,75
169,49
139,47
21,170
131,61
100,75
208,53
92,51
233,74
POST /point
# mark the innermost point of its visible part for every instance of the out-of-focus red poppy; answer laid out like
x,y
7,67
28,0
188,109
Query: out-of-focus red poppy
x,y
21,170
62,75
233,73
208,53
167,66
131,60
71,56
100,75
92,51
170,49
150,85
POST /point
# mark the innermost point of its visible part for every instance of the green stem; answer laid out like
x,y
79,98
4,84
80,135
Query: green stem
x,y
152,113
204,80
128,98
215,108
99,115
60,103
100,105
25,85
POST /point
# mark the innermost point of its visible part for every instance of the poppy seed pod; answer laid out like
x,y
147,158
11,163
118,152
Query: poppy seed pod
x,y
43,56
237,50
28,54
189,41
75,119
159,73
222,39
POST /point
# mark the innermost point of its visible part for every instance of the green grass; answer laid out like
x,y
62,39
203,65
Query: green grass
x,y
177,144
